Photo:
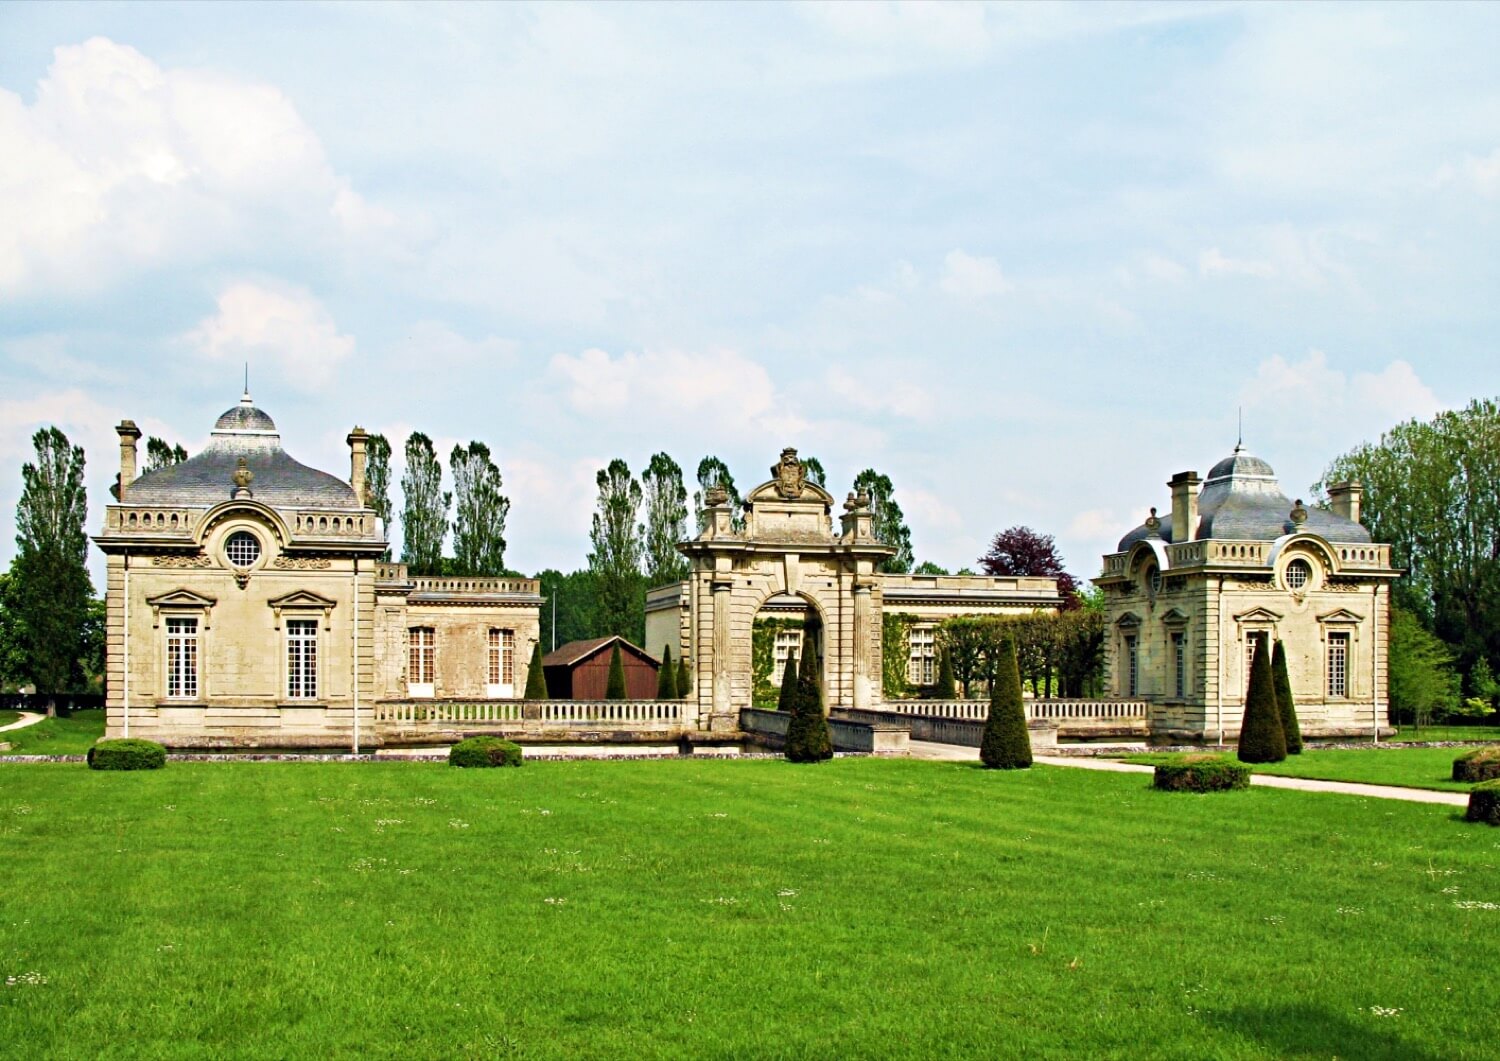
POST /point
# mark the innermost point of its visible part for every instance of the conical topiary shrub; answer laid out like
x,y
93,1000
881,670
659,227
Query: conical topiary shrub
x,y
1261,737
666,676
1006,744
807,737
946,690
536,680
787,701
684,679
615,688
1284,702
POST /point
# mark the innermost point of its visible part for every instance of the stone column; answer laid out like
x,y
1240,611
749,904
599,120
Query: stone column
x,y
863,687
723,709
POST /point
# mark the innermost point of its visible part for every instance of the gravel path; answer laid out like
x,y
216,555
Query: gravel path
x,y
28,718
956,753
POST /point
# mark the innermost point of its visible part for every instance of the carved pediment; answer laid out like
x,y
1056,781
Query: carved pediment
x,y
304,600
1341,615
1128,619
181,599
1258,615
1175,617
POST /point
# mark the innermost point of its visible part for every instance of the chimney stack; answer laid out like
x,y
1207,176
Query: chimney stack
x,y
1184,506
1344,498
128,433
358,440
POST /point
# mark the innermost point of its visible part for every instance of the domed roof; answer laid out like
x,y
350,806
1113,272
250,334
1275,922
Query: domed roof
x,y
243,433
245,418
1242,501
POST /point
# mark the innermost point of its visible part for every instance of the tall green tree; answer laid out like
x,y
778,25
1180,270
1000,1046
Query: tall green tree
x,y
714,472
890,524
927,567
1432,490
378,482
619,585
479,512
813,469
666,520
49,592
1420,670
161,454
424,516
572,600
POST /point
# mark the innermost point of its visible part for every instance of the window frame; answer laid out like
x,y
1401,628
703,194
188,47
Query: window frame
x,y
297,668
1344,638
921,656
786,641
196,642
421,660
500,663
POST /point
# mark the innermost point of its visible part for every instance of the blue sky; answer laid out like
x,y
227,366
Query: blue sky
x,y
1027,260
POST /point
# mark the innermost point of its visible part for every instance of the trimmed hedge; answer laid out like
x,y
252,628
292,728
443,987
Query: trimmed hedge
x,y
1484,803
485,751
1262,740
807,736
1201,773
127,754
614,687
1284,702
536,678
1481,764
666,676
1006,744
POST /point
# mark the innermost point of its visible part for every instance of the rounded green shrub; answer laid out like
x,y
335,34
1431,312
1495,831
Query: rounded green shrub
x,y
1481,764
127,754
1484,803
1201,773
1006,744
485,751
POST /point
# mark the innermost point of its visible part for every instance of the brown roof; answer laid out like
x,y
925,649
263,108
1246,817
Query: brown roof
x,y
577,651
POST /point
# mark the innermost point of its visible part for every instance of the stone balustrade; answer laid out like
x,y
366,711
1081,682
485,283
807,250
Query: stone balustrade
x,y
440,585
417,721
1251,554
340,524
137,519
977,710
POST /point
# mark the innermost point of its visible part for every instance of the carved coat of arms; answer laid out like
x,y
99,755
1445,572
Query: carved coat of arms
x,y
789,475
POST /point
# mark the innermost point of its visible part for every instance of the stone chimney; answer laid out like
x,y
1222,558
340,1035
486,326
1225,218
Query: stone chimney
x,y
1344,498
1184,506
128,433
358,441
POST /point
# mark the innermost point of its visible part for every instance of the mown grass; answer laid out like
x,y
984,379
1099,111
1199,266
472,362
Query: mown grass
x,y
860,908
1402,767
1479,734
56,736
7,717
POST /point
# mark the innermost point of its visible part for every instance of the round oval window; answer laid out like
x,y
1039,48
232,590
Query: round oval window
x,y
1298,573
1153,578
242,549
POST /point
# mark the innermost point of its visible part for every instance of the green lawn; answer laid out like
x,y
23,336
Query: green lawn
x,y
730,909
56,736
1404,767
7,717
1481,734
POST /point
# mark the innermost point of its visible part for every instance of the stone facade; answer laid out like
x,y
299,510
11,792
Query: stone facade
x,y
1189,595
248,605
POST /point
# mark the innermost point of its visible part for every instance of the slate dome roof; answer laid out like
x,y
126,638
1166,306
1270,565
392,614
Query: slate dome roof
x,y
207,478
1242,501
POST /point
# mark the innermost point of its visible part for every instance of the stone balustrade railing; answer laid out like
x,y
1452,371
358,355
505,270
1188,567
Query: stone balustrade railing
x,y
135,519
415,712
328,523
448,714
1251,554
387,571
977,710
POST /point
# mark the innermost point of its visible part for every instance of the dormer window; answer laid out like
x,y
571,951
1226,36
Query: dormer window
x,y
242,549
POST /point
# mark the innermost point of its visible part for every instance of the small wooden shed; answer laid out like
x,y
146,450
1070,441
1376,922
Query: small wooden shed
x,y
579,670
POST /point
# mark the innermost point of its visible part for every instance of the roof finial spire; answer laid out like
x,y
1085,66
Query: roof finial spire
x,y
1239,442
245,397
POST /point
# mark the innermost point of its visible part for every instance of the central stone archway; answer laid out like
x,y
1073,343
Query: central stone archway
x,y
787,548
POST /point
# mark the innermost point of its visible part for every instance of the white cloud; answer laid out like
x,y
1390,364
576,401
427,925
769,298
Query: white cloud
x,y
735,389
433,343
1164,270
968,276
285,326
1212,262
120,163
1310,398
889,393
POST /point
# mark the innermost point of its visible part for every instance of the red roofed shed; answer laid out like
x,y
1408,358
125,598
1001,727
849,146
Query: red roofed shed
x,y
579,670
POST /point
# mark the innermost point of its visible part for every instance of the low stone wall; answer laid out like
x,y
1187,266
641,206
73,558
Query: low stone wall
x,y
848,735
399,722
1074,718
1043,732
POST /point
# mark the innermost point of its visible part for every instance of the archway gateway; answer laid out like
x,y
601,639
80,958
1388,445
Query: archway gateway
x,y
787,549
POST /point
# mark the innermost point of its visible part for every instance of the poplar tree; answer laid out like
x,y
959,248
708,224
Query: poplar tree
x,y
714,472
479,512
666,520
424,518
616,557
890,524
813,469
159,454
378,482
49,592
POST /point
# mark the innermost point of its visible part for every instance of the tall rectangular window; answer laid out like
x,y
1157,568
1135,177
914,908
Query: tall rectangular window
x,y
921,665
1179,665
182,659
788,644
1338,665
302,659
421,647
502,669
1132,667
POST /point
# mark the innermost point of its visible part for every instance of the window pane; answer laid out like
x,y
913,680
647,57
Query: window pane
x,y
1338,665
182,658
302,659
